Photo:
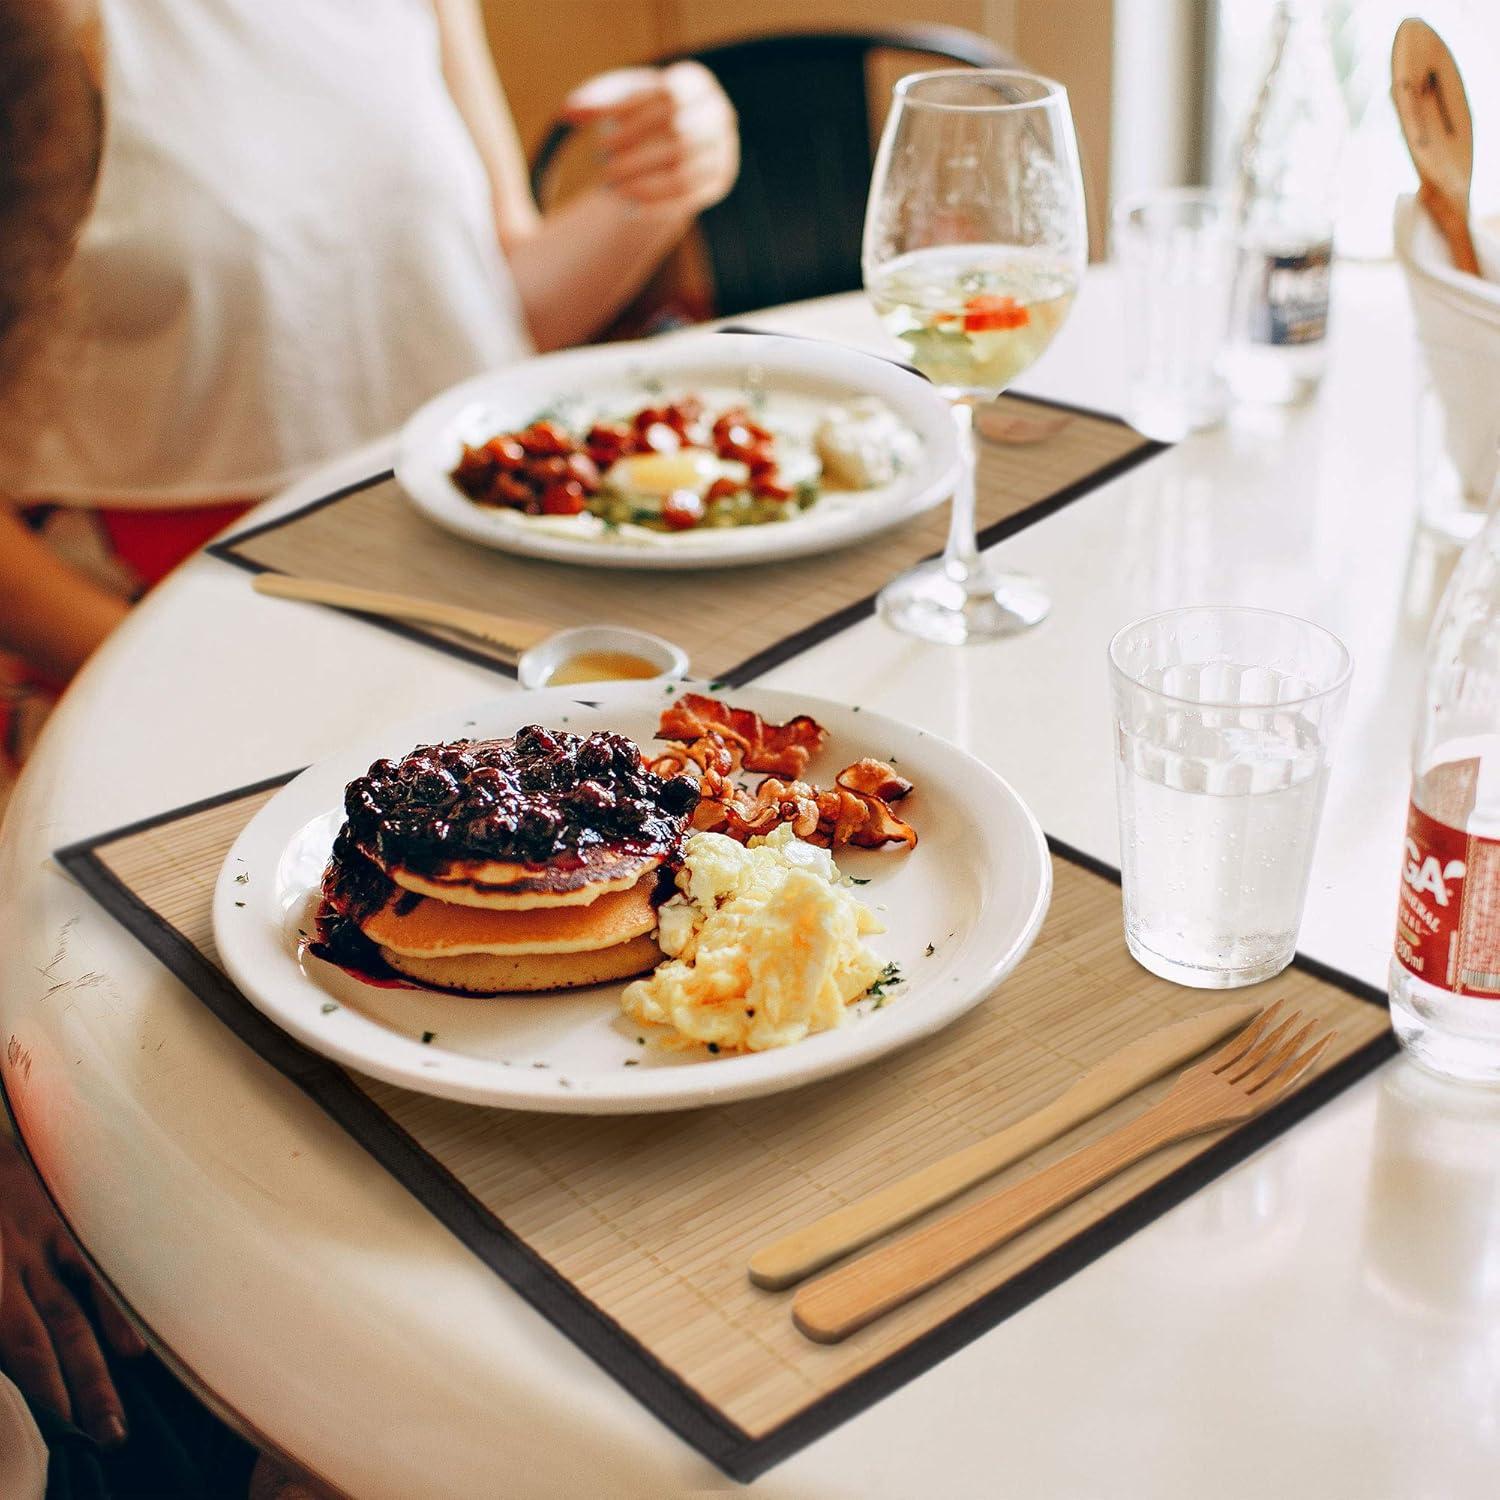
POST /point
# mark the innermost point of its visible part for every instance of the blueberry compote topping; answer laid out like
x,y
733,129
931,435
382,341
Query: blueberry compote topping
x,y
354,889
544,797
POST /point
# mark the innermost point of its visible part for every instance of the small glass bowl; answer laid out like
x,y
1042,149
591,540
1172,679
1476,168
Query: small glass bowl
x,y
538,664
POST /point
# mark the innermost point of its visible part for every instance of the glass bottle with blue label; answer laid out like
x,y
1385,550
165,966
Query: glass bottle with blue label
x,y
1285,196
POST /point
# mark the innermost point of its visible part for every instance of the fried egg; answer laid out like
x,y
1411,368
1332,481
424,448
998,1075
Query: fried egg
x,y
765,945
646,479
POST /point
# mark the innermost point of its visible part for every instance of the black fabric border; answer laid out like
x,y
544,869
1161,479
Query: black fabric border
x,y
776,653
658,1388
863,609
225,552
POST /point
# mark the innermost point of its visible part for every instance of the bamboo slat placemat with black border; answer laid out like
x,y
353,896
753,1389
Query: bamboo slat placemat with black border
x,y
632,1234
370,535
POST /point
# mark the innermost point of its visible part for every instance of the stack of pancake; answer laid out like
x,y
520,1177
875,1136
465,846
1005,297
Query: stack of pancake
x,y
505,865
490,927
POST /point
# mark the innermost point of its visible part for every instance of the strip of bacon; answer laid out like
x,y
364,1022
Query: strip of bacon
x,y
877,785
743,815
850,812
853,811
717,740
777,749
708,753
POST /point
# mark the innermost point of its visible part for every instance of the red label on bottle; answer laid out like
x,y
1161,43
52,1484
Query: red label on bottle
x,y
1448,920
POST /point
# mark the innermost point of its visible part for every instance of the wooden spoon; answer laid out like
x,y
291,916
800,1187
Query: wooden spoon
x,y
1434,112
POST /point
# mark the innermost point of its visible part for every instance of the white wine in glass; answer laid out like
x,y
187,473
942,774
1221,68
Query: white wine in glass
x,y
975,242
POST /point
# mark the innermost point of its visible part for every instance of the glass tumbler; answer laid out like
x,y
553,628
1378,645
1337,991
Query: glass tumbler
x,y
1175,250
1225,720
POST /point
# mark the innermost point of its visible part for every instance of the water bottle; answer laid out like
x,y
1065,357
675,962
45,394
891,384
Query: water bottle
x,y
1445,975
1285,195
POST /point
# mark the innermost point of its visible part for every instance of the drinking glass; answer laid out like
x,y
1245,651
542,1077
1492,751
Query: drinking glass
x,y
1176,253
1224,726
975,242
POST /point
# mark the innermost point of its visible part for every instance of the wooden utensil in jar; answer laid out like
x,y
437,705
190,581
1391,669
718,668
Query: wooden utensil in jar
x,y
1434,112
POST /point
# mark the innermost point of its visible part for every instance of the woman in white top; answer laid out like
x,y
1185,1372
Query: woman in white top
x,y
310,216
237,237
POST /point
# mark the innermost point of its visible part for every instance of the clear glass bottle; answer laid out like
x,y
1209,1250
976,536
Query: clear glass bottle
x,y
1285,198
1445,974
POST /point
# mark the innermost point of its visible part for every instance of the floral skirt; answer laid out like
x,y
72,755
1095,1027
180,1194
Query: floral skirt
x,y
124,551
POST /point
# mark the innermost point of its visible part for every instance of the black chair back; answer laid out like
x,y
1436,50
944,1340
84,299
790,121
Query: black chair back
x,y
791,226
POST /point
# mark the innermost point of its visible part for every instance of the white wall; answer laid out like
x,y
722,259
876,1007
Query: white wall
x,y
1158,88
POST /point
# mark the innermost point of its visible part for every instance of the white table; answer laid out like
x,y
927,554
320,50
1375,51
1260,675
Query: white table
x,y
1322,1321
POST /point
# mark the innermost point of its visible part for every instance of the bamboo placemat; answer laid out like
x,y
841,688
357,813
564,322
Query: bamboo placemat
x,y
371,535
632,1234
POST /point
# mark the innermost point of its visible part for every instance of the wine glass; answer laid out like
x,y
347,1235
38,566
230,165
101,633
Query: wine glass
x,y
975,242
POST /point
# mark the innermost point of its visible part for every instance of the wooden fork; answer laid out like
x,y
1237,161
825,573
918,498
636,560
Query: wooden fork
x,y
1237,1082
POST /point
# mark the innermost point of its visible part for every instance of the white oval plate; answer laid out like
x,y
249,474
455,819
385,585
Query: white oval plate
x,y
603,382
974,891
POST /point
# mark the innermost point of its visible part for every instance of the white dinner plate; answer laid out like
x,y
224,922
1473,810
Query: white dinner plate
x,y
580,386
960,911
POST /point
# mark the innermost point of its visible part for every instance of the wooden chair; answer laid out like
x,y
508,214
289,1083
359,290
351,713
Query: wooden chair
x,y
810,106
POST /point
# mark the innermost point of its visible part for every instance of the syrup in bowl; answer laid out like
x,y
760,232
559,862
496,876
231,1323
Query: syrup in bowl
x,y
601,666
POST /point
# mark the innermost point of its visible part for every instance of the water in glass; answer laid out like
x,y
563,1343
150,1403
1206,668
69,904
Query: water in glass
x,y
1222,754
1216,826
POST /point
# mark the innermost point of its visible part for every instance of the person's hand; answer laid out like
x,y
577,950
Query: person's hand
x,y
47,1344
51,615
669,134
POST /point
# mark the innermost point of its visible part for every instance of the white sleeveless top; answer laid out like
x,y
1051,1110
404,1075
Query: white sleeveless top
x,y
293,246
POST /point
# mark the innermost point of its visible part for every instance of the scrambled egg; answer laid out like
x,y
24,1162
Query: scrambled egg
x,y
764,944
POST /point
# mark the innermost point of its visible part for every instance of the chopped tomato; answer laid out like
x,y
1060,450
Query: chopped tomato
x,y
685,418
474,472
542,471
565,498
722,489
737,428
769,487
505,451
988,311
544,439
682,510
607,441
510,491
582,468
